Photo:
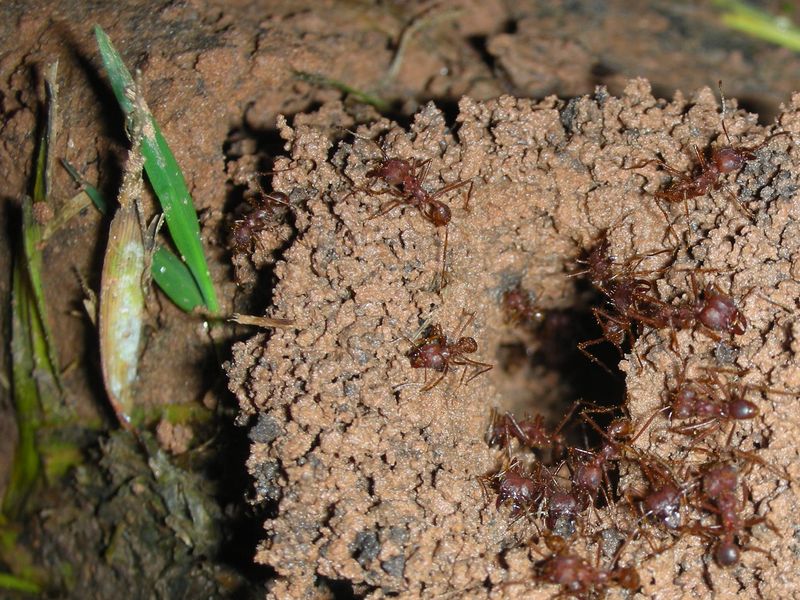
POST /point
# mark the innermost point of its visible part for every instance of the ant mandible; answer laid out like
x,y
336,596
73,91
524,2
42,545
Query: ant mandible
x,y
435,351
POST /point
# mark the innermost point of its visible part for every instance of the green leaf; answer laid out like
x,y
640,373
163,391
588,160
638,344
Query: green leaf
x,y
174,278
165,176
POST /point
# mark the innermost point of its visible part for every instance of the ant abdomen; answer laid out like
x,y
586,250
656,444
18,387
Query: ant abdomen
x,y
727,552
728,160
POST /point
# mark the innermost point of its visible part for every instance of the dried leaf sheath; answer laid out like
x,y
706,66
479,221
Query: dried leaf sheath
x,y
121,293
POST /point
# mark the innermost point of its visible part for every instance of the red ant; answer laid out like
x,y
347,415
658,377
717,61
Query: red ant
x,y
699,400
435,351
720,484
523,490
577,577
518,307
530,432
244,231
713,311
723,160
666,497
589,475
627,293
403,179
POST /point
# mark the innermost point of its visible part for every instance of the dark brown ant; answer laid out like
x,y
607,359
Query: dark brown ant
x,y
577,577
435,351
244,231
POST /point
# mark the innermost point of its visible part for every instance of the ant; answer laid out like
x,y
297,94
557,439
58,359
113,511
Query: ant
x,y
713,311
699,400
403,179
577,577
589,475
666,498
523,490
627,293
706,177
244,231
530,432
518,307
720,483
435,351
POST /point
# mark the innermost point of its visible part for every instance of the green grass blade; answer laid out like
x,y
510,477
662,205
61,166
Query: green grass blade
x,y
169,272
47,360
757,23
17,584
31,238
175,279
165,176
26,467
91,191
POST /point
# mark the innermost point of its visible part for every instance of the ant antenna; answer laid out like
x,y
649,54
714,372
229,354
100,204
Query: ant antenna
x,y
722,117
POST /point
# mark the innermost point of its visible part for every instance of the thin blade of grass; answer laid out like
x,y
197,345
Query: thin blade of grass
x,y
165,176
36,384
326,82
26,467
17,584
760,24
32,236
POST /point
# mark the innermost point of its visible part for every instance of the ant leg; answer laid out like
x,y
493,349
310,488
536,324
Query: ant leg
x,y
443,281
464,324
419,176
385,209
582,347
436,382
731,197
481,367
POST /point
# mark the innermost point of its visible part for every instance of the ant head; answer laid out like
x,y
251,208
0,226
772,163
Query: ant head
x,y
556,543
467,345
628,578
439,214
718,312
392,170
620,428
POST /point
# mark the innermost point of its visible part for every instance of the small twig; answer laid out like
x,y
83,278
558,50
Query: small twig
x,y
260,321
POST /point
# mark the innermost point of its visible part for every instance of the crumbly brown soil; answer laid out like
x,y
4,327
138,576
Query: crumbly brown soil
x,y
374,485
376,478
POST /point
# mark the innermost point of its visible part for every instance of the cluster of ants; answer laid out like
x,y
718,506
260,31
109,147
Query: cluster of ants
x,y
560,486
